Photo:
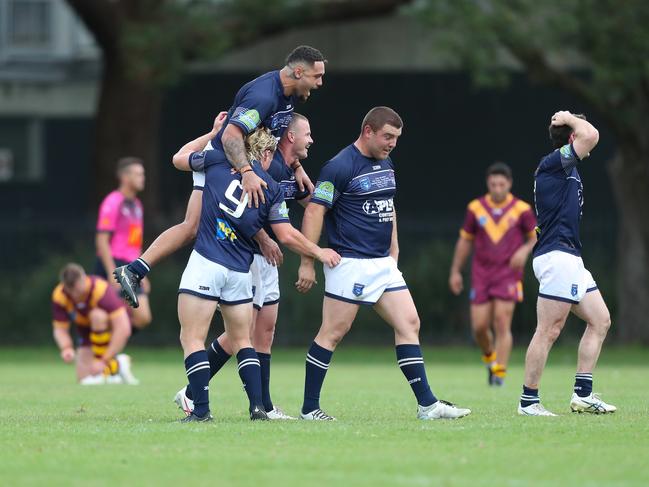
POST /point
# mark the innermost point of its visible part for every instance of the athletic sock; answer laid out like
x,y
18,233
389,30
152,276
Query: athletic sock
x,y
499,371
217,358
529,397
317,364
139,267
412,365
99,341
489,359
583,384
264,362
250,373
197,368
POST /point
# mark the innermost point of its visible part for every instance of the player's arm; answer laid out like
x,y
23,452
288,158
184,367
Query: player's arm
x,y
181,160
102,243
298,243
269,248
179,235
518,259
463,248
586,135
311,229
394,243
61,331
302,178
235,150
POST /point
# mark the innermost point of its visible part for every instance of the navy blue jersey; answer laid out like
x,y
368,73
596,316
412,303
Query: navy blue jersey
x,y
260,102
285,176
359,192
227,226
558,196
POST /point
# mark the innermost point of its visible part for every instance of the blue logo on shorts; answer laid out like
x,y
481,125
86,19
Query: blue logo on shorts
x,y
573,290
358,289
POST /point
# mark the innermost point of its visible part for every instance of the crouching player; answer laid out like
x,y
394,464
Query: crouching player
x,y
218,270
102,327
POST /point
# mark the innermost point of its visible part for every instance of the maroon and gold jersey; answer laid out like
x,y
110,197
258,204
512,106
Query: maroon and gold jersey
x,y
100,295
497,231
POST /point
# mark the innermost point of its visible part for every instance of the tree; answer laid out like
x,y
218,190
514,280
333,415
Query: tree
x,y
608,41
146,45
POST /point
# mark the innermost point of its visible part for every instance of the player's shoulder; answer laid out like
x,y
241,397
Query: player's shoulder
x,y
58,296
278,170
475,204
115,197
262,86
520,204
344,160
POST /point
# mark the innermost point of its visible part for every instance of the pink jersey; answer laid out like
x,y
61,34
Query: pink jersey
x,y
123,218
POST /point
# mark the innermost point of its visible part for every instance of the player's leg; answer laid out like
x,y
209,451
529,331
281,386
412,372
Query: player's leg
x,y
502,321
195,315
398,309
481,319
237,320
337,319
100,337
551,317
593,310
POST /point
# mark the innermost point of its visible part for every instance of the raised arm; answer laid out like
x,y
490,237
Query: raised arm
x,y
235,150
586,135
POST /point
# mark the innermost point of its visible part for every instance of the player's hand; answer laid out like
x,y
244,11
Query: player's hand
x,y
303,181
253,186
305,277
271,251
456,283
97,367
561,118
68,354
218,122
329,257
517,261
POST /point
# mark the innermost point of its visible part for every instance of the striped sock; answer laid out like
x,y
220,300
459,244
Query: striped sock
x,y
197,368
317,364
250,373
217,358
529,397
583,384
139,267
264,361
489,359
411,364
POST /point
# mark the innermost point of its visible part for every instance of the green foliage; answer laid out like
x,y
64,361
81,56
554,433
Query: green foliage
x,y
58,433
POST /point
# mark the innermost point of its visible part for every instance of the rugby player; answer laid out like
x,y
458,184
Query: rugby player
x,y
565,285
102,327
499,227
354,196
218,270
292,147
119,231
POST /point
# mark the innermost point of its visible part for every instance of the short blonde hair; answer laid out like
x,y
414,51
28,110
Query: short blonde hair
x,y
259,141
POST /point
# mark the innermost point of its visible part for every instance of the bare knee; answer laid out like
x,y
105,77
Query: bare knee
x,y
190,342
98,319
142,317
602,324
330,336
550,333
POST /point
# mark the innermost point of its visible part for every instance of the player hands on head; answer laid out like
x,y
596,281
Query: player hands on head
x,y
102,327
218,270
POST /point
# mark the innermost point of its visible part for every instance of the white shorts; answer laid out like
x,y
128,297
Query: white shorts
x,y
265,282
209,280
363,281
562,277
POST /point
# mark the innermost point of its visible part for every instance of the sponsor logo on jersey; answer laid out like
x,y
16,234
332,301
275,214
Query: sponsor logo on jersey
x,y
566,152
283,210
574,290
358,289
324,191
248,117
365,184
482,221
382,208
224,231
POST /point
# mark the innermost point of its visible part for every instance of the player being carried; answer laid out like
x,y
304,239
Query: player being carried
x,y
292,147
218,270
565,285
267,101
354,196
102,327
499,227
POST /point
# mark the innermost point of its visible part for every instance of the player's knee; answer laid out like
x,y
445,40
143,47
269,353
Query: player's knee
x,y
502,323
98,319
552,333
413,324
603,324
190,342
142,319
334,335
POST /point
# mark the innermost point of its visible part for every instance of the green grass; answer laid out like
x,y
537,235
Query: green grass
x,y
54,432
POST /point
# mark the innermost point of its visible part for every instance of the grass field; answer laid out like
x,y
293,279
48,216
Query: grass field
x,y
54,432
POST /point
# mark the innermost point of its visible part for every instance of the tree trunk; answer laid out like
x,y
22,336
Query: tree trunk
x,y
127,123
629,172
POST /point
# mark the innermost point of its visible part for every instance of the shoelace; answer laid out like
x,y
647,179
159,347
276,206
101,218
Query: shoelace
x,y
447,403
320,414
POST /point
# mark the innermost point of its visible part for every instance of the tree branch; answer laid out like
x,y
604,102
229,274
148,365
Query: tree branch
x,y
101,19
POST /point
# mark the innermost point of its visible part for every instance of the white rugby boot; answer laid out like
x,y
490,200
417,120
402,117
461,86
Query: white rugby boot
x,y
277,414
317,415
441,410
183,402
93,380
535,409
590,404
124,371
